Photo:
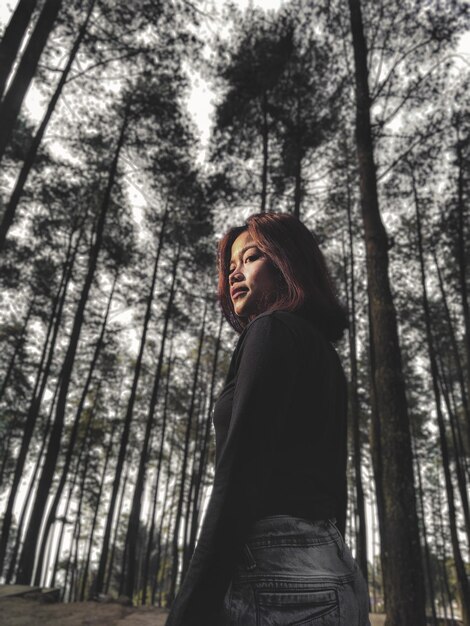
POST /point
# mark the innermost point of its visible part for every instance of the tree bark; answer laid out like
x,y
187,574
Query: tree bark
x,y
401,553
84,449
265,139
461,239
456,445
100,577
427,560
298,165
203,457
361,532
13,202
462,580
73,595
37,394
27,555
191,516
134,516
19,343
95,515
120,508
146,567
179,509
455,349
51,514
13,99
444,556
27,499
13,37
160,528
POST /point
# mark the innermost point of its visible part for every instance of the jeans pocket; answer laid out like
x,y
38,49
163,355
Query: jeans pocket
x,y
343,551
297,607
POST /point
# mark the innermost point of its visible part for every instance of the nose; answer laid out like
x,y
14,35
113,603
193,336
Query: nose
x,y
235,276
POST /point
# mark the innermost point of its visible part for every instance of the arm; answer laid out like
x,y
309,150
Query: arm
x,y
265,374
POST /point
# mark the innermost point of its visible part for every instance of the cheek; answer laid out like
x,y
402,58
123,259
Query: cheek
x,y
265,276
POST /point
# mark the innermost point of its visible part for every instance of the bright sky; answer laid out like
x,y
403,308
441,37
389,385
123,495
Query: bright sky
x,y
200,102
201,97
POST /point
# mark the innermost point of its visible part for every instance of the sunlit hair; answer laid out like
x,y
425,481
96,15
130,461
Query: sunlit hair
x,y
304,281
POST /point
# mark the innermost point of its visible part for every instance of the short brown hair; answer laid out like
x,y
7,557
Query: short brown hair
x,y
305,282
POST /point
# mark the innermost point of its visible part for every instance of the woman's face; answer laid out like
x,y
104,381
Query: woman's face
x,y
252,278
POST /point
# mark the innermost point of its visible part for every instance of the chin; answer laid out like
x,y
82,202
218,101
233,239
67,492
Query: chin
x,y
242,312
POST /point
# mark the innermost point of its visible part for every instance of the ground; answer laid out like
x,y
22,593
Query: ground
x,y
24,612
21,605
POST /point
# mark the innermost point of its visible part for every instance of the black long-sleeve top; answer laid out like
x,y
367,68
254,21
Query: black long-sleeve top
x,y
281,447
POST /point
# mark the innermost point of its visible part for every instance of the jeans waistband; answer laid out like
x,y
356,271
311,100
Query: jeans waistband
x,y
275,525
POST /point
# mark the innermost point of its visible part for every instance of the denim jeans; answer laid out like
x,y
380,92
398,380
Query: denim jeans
x,y
295,572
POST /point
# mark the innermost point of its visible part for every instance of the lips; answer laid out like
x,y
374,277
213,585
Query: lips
x,y
238,291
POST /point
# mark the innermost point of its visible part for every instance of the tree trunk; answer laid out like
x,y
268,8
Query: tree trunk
x,y
27,555
12,205
160,528
27,499
134,516
179,509
361,532
265,139
187,516
455,349
68,500
73,596
13,38
376,447
95,515
13,99
191,516
298,166
168,544
203,456
5,455
462,580
115,534
427,560
461,239
444,556
456,444
19,343
146,570
37,395
73,436
454,408
84,449
100,577
401,554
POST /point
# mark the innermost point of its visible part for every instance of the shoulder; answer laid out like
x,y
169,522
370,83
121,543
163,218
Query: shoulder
x,y
266,335
273,323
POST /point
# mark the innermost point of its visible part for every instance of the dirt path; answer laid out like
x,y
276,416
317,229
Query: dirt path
x,y
24,612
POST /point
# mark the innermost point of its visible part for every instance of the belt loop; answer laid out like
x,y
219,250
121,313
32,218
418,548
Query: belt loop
x,y
337,537
250,562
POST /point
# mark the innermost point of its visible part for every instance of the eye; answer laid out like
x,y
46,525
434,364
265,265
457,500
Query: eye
x,y
252,257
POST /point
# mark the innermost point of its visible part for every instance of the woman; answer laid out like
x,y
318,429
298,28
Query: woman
x,y
271,549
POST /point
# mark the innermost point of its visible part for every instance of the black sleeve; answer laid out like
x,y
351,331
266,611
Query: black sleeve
x,y
266,367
